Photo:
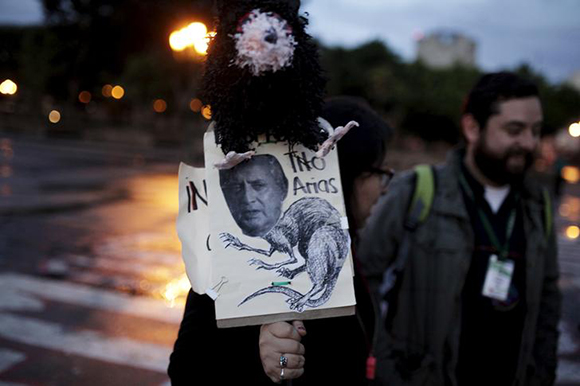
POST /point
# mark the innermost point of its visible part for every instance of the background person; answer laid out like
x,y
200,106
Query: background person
x,y
446,323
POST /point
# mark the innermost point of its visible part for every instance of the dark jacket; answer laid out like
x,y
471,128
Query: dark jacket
x,y
336,349
422,341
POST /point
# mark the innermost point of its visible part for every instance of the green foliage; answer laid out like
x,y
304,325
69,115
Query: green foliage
x,y
423,101
561,102
88,43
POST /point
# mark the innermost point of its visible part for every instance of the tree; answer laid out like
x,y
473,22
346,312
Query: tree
x,y
98,36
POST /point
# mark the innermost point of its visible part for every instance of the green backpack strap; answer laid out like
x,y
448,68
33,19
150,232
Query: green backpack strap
x,y
548,215
417,213
423,195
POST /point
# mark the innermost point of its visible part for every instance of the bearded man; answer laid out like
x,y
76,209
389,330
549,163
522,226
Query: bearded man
x,y
476,301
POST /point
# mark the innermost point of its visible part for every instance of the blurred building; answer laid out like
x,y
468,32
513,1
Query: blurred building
x,y
574,80
445,49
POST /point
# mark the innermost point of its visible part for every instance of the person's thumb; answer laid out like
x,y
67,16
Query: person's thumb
x,y
299,326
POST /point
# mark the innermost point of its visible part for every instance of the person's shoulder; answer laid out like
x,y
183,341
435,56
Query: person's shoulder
x,y
533,190
402,180
398,194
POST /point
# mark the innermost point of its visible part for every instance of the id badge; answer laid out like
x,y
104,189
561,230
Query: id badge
x,y
498,278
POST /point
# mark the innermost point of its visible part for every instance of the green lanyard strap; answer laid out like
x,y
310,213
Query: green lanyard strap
x,y
501,250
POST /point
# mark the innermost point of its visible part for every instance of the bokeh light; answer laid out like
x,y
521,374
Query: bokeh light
x,y
177,288
195,105
117,92
54,116
5,171
107,91
574,130
571,174
85,97
195,35
159,106
8,87
6,148
206,112
573,232
5,190
564,210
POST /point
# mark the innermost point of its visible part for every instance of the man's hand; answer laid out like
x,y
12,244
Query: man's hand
x,y
279,339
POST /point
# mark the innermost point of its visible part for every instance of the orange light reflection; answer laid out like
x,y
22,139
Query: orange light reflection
x,y
571,174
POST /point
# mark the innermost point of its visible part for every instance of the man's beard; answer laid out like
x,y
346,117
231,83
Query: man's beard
x,y
496,168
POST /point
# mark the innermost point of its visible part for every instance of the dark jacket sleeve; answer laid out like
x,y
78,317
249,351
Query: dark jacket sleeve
x,y
546,340
202,351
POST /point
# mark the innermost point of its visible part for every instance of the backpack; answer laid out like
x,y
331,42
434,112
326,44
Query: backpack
x,y
425,191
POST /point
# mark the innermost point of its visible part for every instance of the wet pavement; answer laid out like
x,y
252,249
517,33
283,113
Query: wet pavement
x,y
91,279
92,283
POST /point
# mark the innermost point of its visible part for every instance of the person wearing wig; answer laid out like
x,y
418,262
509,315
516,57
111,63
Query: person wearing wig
x,y
263,77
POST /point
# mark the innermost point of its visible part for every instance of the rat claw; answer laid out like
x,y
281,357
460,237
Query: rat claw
x,y
284,272
258,262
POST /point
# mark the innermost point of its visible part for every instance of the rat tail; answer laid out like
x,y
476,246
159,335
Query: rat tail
x,y
274,289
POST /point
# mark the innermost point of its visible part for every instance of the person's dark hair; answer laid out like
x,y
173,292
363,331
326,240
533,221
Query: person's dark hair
x,y
491,89
284,104
271,166
363,147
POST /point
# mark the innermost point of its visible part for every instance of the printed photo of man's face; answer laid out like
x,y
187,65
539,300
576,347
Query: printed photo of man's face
x,y
254,192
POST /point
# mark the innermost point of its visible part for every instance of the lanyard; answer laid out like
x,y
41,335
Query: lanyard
x,y
502,250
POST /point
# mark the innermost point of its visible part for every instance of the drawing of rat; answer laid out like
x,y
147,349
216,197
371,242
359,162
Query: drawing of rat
x,y
313,226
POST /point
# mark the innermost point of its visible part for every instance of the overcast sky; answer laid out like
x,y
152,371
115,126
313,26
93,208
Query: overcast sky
x,y
543,33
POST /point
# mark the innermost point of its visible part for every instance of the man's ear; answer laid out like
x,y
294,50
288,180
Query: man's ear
x,y
470,128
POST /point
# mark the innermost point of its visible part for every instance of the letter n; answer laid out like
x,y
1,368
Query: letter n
x,y
193,195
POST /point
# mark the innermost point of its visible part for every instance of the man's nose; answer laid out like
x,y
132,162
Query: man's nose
x,y
528,140
249,193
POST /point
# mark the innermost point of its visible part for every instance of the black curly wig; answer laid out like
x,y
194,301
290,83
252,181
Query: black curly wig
x,y
283,104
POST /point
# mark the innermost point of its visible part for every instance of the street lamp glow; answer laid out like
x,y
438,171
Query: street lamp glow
x,y
177,288
8,87
202,44
107,90
117,92
85,97
195,35
159,106
573,232
177,41
206,112
54,116
570,174
195,105
574,130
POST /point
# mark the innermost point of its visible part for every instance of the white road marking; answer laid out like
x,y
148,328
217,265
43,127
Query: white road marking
x,y
126,266
90,297
89,344
566,345
9,358
568,371
116,253
14,300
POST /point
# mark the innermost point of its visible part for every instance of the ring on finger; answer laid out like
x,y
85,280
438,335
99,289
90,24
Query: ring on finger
x,y
283,361
282,374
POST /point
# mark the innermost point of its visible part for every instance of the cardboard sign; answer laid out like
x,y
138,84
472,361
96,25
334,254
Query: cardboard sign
x,y
193,226
278,247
